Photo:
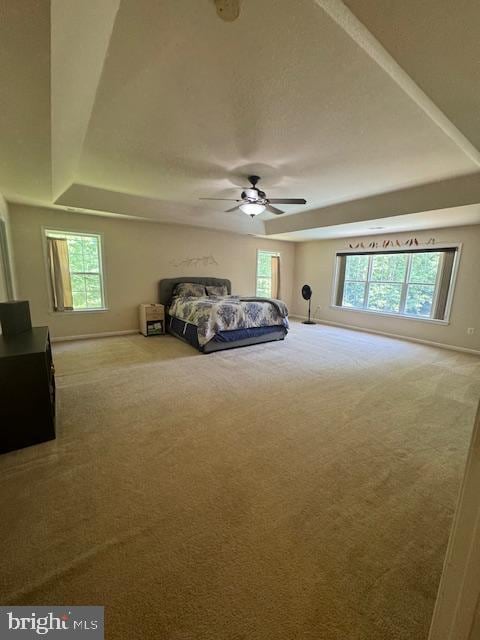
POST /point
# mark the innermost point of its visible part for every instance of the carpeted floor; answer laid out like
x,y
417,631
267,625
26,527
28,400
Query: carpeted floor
x,y
292,491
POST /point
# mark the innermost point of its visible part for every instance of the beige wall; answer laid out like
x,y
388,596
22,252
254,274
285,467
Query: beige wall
x,y
137,256
475,633
315,264
3,283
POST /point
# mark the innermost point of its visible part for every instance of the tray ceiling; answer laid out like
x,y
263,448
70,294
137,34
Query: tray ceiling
x,y
139,108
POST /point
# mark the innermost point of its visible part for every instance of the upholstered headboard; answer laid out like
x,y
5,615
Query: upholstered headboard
x,y
167,285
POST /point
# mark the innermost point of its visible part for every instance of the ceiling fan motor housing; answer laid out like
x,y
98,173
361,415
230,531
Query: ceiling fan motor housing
x,y
250,194
253,193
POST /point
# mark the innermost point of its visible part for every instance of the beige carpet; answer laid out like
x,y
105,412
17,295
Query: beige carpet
x,y
297,490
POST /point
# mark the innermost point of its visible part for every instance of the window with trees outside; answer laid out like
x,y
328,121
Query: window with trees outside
x,y
76,270
415,284
264,273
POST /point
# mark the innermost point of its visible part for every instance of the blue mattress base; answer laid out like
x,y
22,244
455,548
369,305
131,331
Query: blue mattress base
x,y
225,339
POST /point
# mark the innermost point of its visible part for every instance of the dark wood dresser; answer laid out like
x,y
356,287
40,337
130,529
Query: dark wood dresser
x,y
27,389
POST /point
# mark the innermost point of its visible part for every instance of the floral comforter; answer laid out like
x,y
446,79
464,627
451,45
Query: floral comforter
x,y
212,314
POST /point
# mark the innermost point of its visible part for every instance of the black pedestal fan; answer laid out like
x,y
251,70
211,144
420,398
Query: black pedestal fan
x,y
307,295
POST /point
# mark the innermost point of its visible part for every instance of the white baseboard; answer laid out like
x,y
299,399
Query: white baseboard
x,y
89,336
430,343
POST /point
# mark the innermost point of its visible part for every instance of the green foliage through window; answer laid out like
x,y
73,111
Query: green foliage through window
x,y
264,273
357,268
84,254
401,283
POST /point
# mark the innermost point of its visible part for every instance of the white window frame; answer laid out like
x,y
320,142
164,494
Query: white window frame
x,y
270,253
61,232
448,308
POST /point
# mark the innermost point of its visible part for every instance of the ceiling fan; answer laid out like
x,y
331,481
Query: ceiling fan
x,y
253,201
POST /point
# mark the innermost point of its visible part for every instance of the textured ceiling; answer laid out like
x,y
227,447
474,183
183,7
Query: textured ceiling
x,y
154,104
25,159
437,43
454,217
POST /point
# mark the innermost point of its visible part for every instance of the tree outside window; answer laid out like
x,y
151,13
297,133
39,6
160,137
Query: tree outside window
x,y
398,283
264,273
85,267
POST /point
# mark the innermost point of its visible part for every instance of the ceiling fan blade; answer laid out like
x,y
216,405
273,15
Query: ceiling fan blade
x,y
232,209
273,209
288,200
223,199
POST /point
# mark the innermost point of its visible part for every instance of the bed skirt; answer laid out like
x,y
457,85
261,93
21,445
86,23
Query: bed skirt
x,y
225,339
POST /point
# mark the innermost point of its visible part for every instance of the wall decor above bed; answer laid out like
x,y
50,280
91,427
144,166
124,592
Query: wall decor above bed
x,y
203,261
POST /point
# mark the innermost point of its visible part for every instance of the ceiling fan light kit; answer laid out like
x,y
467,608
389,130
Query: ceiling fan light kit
x,y
252,208
254,201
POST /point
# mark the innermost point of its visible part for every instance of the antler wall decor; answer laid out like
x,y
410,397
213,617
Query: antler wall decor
x,y
204,261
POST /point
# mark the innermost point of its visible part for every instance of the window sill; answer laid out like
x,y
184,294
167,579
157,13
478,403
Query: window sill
x,y
75,311
390,315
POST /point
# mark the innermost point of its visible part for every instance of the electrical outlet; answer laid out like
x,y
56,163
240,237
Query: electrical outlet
x,y
471,331
317,311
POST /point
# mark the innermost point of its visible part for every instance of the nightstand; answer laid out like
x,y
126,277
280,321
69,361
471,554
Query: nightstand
x,y
152,319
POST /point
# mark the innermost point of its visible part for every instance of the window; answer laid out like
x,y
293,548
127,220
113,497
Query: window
x,y
416,284
268,274
75,266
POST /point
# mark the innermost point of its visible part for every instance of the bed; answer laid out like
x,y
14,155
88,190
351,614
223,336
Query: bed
x,y
215,322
